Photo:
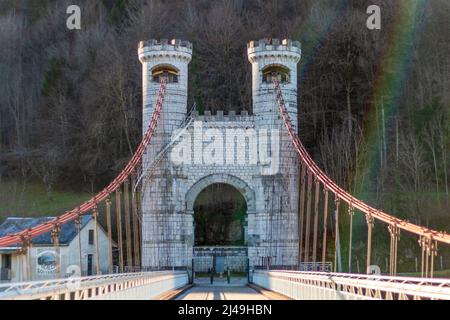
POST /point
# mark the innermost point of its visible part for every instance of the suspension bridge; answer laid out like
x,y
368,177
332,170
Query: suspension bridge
x,y
135,272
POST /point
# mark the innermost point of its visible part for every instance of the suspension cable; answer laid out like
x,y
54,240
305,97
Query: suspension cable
x,y
340,193
16,238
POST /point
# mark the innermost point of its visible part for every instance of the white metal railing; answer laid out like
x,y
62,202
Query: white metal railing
x,y
341,286
124,286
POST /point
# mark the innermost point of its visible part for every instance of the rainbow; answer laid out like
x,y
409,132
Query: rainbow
x,y
392,73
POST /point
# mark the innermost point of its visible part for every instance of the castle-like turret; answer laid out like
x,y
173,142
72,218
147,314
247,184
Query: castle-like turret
x,y
168,59
161,245
272,57
169,213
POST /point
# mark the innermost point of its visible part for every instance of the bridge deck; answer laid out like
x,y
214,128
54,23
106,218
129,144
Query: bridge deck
x,y
221,293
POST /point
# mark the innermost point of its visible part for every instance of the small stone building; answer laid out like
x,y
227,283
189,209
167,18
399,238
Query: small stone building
x,y
41,260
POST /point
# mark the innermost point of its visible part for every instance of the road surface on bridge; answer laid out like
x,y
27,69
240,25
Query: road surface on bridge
x,y
221,293
237,289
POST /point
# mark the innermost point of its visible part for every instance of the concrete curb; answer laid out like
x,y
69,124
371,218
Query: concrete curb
x,y
271,295
172,295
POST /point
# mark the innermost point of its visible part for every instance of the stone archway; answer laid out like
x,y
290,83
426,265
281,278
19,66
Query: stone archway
x,y
219,257
234,181
220,217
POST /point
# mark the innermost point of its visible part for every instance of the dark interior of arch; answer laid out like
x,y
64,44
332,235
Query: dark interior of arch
x,y
219,214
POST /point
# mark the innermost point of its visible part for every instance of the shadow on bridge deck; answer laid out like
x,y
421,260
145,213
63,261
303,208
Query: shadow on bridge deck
x,y
238,289
221,293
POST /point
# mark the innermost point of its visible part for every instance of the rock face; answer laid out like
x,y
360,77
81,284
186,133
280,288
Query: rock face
x,y
251,153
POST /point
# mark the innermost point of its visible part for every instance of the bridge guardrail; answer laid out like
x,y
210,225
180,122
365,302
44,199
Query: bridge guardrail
x,y
123,286
339,286
304,266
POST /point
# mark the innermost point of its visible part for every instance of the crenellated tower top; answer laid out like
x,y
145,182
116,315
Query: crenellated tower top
x,y
166,60
273,59
274,48
165,48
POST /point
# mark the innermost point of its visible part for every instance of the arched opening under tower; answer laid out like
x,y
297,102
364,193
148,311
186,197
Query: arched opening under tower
x,y
220,212
220,230
166,72
281,73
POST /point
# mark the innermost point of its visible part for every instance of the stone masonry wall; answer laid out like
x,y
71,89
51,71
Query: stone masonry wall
x,y
194,161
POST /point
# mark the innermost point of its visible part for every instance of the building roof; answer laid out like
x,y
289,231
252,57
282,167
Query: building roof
x,y
68,230
8,250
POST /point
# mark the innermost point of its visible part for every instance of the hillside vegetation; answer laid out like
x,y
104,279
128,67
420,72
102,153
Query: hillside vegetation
x,y
373,105
23,200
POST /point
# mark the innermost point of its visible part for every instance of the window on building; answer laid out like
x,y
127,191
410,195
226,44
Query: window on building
x,y
91,237
170,74
280,72
5,270
90,264
6,261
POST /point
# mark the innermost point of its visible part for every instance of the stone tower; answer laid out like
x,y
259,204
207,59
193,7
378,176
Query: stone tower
x,y
269,224
168,59
279,189
270,57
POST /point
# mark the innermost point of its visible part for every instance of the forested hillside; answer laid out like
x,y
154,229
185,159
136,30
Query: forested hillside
x,y
374,105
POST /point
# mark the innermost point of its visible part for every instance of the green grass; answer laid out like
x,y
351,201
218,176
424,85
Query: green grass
x,y
30,200
436,274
